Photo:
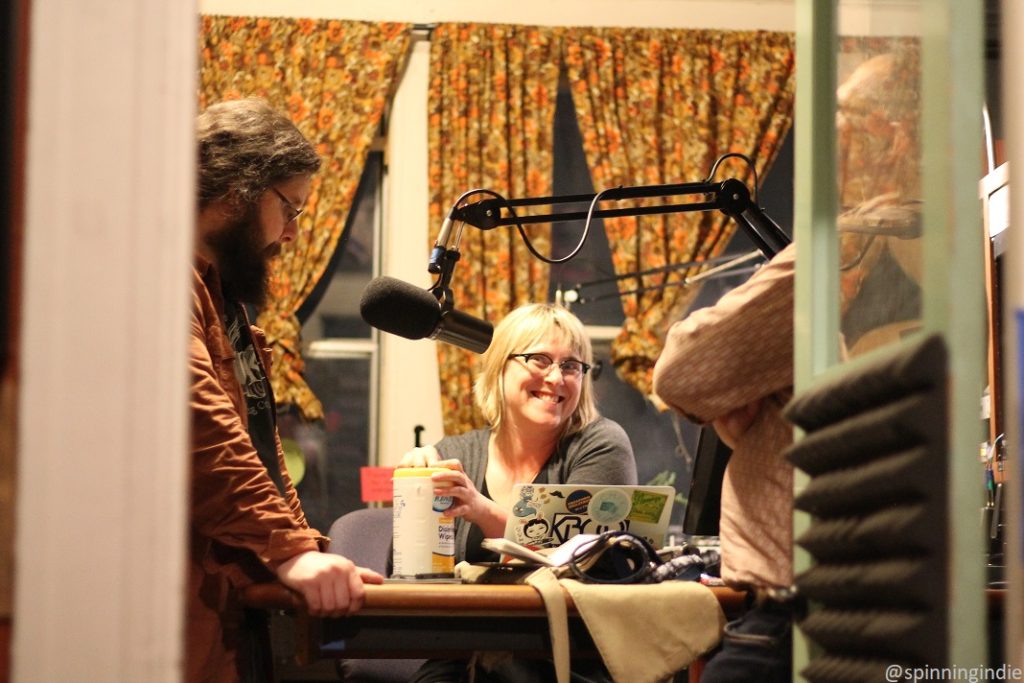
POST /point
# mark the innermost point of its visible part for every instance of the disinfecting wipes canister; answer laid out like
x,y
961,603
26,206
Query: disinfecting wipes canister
x,y
424,534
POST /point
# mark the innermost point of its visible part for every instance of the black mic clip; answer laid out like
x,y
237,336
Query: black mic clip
x,y
442,263
437,259
443,256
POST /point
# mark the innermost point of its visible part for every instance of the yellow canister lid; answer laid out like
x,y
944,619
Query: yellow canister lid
x,y
416,471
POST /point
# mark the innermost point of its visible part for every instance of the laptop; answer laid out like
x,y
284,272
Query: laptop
x,y
548,515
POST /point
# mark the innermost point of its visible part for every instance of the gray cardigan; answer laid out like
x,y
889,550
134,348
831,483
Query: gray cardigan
x,y
598,454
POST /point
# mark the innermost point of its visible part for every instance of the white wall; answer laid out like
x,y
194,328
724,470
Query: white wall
x,y
103,393
410,391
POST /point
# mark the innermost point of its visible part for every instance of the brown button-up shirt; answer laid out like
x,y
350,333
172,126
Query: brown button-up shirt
x,y
241,527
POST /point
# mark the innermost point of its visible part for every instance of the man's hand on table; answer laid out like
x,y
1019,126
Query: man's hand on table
x,y
332,585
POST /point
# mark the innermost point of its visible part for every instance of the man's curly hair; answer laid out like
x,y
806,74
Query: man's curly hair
x,y
245,147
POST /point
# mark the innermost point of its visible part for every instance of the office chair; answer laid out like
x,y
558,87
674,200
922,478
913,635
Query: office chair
x,y
704,502
364,536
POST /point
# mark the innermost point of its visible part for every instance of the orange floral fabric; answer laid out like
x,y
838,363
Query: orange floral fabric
x,y
660,106
491,106
334,79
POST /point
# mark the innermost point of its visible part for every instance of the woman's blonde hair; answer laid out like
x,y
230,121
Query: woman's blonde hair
x,y
520,330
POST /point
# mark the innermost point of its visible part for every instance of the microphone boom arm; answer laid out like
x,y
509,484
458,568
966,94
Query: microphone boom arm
x,y
731,197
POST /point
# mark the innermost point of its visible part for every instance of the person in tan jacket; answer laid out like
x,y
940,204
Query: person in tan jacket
x,y
246,522
731,365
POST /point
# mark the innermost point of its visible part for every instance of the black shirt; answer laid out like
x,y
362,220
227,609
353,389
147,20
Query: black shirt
x,y
258,395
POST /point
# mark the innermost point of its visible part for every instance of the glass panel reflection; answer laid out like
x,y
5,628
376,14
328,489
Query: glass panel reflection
x,y
879,175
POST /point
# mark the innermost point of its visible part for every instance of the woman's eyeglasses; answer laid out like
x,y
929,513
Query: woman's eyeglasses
x,y
291,211
541,363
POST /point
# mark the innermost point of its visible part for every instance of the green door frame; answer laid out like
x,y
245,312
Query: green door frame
x,y
953,298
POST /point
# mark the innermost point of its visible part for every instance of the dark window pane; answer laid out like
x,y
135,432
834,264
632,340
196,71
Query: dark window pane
x,y
602,305
333,310
332,451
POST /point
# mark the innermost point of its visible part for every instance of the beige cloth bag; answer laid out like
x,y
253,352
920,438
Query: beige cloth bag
x,y
645,633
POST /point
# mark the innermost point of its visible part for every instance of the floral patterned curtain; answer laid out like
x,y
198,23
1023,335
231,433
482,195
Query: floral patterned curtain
x,y
491,107
334,78
660,106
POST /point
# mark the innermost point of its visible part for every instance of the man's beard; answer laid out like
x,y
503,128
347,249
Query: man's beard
x,y
242,261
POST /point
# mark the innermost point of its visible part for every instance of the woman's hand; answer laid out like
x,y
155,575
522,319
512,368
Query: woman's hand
x,y
467,501
424,456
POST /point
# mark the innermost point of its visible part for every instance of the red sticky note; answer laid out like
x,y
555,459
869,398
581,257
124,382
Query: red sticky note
x,y
375,484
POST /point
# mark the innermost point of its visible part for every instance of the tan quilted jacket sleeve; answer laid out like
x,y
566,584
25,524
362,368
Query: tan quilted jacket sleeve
x,y
725,356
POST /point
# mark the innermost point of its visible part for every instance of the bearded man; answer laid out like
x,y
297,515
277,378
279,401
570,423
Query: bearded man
x,y
246,522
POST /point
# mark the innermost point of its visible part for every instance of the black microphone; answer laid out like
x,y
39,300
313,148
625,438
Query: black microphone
x,y
397,307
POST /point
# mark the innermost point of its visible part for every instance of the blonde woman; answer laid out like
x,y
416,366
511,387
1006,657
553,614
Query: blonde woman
x,y
536,392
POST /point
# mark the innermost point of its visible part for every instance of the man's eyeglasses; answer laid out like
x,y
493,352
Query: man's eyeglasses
x,y
542,362
292,211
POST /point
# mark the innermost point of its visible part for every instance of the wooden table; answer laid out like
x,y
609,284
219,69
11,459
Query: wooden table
x,y
437,620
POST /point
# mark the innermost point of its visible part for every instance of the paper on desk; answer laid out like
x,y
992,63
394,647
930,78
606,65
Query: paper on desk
x,y
549,557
